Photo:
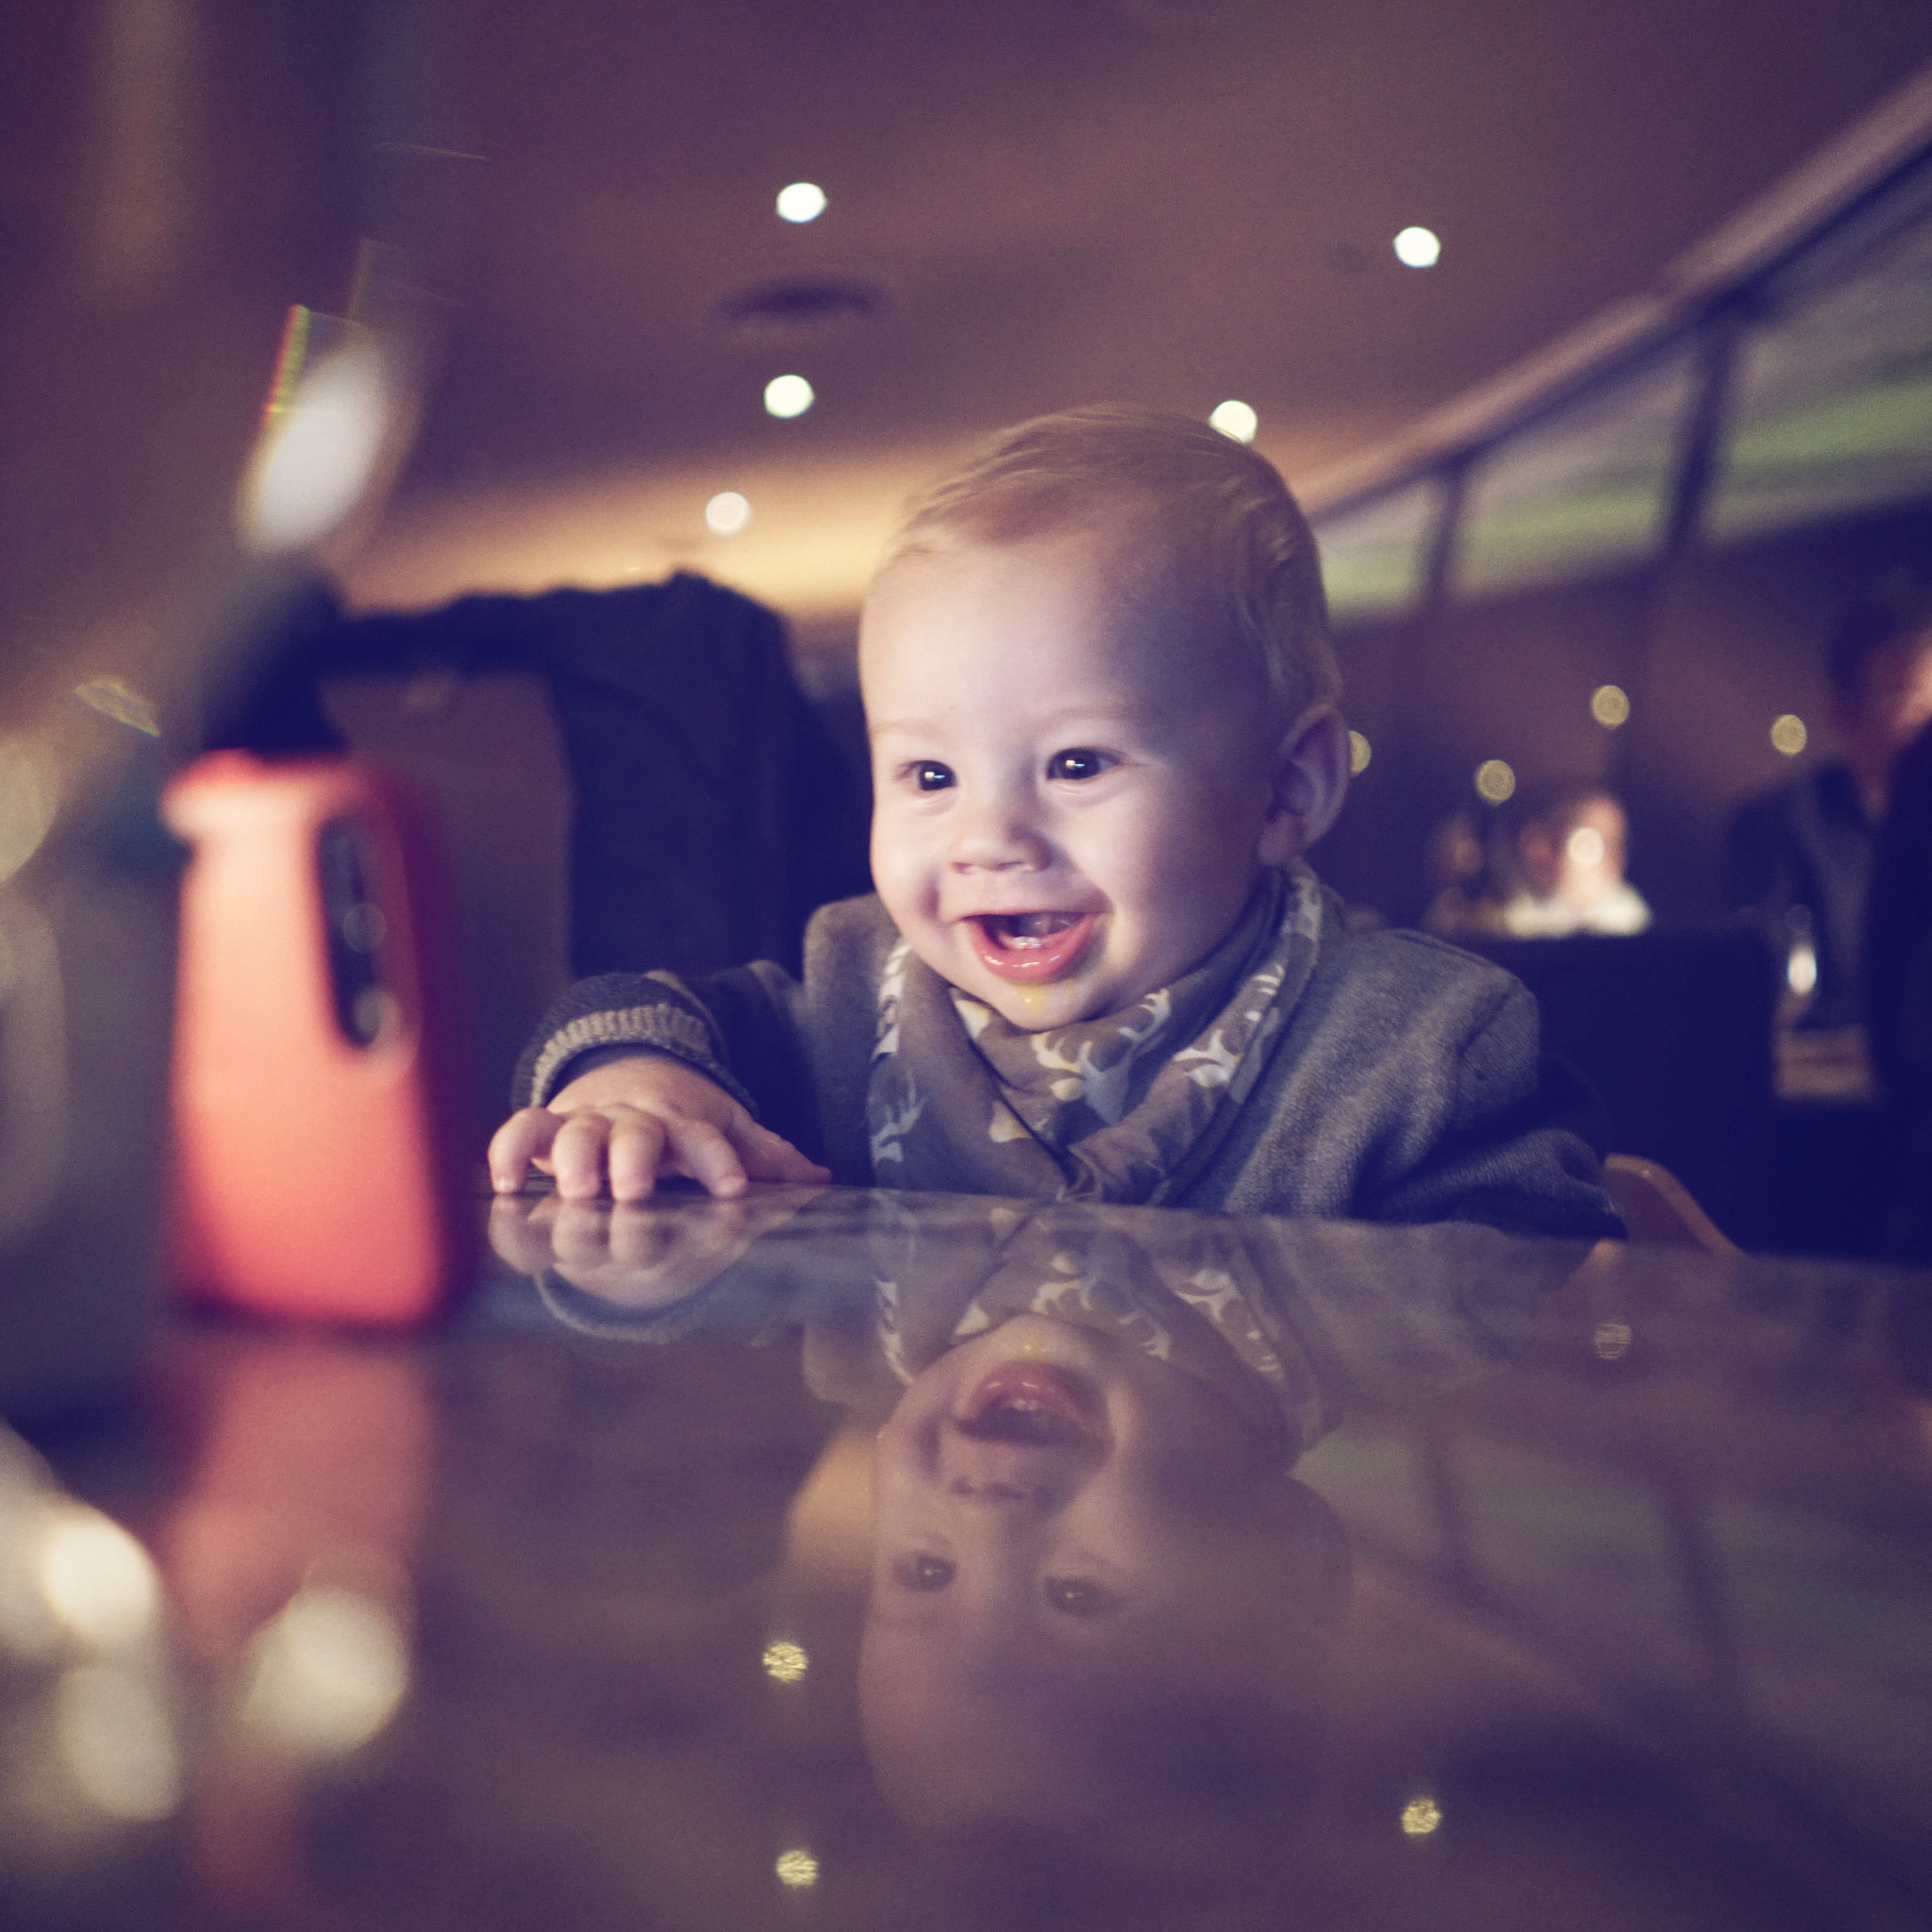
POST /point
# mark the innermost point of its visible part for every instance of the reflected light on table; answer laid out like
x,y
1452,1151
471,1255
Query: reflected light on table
x,y
1420,1815
1611,1340
116,1744
796,1869
327,1674
785,1662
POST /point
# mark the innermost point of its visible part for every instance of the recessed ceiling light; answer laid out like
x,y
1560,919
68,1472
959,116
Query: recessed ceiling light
x,y
803,201
1417,249
727,513
788,395
1236,420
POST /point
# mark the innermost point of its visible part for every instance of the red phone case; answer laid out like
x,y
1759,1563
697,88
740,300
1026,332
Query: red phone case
x,y
316,1102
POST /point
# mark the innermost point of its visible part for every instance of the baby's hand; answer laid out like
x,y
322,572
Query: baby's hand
x,y
627,1121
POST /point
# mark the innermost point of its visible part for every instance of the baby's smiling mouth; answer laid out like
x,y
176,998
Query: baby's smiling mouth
x,y
1031,946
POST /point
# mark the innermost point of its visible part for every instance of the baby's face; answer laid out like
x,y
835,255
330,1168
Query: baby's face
x,y
1072,771
1064,1527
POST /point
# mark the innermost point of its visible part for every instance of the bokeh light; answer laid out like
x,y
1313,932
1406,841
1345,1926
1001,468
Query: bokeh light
x,y
1789,736
1420,1815
97,1579
1235,419
328,1672
1610,705
1417,249
1801,968
116,1743
788,395
797,1868
727,513
1359,752
318,452
800,201
1583,846
785,1662
26,802
1611,1340
1495,783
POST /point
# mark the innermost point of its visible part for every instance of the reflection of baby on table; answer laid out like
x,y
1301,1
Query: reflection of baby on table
x,y
1097,1596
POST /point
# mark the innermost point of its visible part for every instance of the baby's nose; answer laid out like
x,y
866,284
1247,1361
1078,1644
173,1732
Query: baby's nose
x,y
996,835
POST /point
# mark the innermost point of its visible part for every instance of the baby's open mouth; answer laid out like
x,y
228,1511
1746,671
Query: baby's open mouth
x,y
1032,945
1036,1404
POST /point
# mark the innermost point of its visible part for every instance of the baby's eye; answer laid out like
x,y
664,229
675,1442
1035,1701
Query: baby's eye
x,y
931,775
919,1572
1076,1597
1080,761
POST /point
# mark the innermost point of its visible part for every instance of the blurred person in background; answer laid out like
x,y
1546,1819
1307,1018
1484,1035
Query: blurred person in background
x,y
1464,897
1800,857
1570,846
1898,991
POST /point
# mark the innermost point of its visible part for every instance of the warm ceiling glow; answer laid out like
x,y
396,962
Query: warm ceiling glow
x,y
1494,781
1609,707
803,201
1417,249
1359,753
788,395
1237,420
1788,735
726,514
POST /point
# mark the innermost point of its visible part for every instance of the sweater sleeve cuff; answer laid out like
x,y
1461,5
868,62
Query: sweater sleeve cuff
x,y
666,1026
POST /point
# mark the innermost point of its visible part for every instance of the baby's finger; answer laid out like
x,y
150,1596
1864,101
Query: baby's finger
x,y
770,1157
706,1155
519,1235
578,1153
521,1140
638,1145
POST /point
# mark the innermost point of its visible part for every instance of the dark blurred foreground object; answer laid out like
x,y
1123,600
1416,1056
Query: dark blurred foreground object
x,y
1673,1030
1898,991
317,1063
712,812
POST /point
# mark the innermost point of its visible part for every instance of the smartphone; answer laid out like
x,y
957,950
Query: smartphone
x,y
317,1080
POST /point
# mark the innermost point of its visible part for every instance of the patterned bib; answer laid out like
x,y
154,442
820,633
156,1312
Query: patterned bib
x,y
1128,1108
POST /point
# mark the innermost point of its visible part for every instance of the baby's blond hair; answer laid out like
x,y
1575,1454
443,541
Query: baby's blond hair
x,y
1229,516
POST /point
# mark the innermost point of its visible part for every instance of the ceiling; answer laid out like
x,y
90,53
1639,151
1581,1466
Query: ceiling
x,y
1171,201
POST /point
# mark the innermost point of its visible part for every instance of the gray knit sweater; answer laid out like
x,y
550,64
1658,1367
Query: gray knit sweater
x,y
1407,1086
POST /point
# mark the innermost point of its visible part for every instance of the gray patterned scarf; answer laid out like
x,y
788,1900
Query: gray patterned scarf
x,y
1128,1108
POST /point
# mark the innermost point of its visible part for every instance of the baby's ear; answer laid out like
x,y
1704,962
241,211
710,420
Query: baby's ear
x,y
1308,781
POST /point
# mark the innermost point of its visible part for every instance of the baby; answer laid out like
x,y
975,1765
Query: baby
x,y
1102,706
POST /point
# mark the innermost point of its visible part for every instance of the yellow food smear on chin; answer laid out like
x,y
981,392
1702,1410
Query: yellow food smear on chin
x,y
1037,1001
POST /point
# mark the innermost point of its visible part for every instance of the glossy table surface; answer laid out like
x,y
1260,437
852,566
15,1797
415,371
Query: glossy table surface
x,y
859,1560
